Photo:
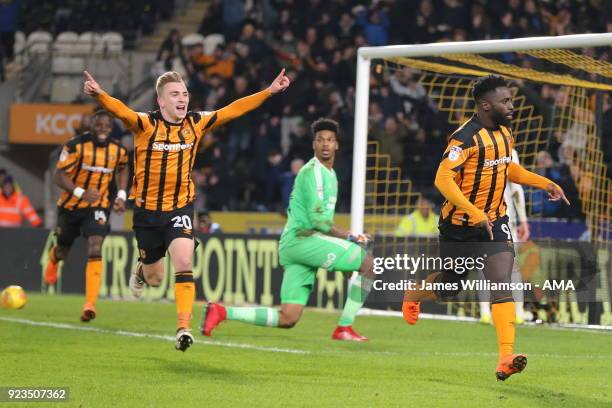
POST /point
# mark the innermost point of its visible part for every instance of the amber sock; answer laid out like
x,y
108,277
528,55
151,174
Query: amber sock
x,y
184,293
93,277
504,315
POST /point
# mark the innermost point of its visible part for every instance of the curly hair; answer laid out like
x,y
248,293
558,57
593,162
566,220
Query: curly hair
x,y
487,84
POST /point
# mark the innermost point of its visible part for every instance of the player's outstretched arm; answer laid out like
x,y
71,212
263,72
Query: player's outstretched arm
x,y
113,105
243,105
518,174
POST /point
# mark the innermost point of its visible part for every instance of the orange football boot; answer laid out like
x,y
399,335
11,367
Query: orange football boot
x,y
89,312
411,311
510,364
51,273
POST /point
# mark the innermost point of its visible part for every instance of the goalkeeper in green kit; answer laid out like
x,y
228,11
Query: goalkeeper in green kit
x,y
310,241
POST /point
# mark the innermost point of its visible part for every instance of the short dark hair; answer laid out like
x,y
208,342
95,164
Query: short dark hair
x,y
102,112
487,84
325,124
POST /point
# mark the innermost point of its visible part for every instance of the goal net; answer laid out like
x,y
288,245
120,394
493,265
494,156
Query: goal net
x,y
410,98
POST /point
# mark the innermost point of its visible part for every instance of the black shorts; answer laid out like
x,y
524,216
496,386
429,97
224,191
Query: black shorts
x,y
471,249
460,241
155,230
86,221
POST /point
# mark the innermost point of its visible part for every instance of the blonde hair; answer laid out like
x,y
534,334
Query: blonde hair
x,y
166,78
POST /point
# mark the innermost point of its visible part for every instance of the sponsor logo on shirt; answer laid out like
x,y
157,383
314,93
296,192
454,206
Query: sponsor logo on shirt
x,y
501,160
97,169
173,147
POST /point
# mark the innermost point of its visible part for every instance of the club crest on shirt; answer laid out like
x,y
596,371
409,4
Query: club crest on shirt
x,y
454,153
185,133
63,156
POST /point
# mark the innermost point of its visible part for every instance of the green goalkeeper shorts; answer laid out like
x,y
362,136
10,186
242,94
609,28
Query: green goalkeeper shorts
x,y
302,257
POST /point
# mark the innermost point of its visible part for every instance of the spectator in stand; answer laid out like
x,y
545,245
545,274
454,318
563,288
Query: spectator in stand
x,y
233,16
206,224
212,23
301,145
171,56
404,83
422,222
374,23
287,180
426,23
171,45
9,13
239,130
15,206
393,140
317,42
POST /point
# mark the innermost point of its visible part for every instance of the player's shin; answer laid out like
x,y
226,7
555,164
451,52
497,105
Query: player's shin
x,y
358,292
504,315
53,255
184,294
260,316
93,277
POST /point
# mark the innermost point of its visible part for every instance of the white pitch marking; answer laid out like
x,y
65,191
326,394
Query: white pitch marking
x,y
247,346
152,336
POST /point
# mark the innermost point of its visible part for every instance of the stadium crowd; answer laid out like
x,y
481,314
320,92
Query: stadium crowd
x,y
249,164
318,46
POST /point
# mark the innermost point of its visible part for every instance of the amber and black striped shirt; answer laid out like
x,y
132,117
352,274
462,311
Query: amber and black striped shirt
x,y
90,165
165,152
479,158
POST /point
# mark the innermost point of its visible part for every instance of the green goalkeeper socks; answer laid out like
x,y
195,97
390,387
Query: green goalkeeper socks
x,y
260,316
358,292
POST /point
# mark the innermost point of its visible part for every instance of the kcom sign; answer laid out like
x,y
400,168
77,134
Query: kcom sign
x,y
45,123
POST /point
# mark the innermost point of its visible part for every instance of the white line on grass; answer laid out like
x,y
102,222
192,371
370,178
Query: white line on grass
x,y
591,328
247,346
152,336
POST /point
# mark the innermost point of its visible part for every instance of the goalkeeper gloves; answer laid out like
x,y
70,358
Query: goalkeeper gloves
x,y
363,240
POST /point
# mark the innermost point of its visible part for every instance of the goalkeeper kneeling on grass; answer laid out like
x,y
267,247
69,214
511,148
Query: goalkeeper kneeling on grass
x,y
311,241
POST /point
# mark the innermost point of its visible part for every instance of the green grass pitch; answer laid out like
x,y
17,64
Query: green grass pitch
x,y
126,358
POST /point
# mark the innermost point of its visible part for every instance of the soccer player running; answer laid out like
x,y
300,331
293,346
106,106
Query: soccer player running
x,y
311,241
472,176
166,142
86,167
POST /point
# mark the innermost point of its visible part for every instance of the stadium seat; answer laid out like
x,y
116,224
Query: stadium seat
x,y
66,42
39,42
191,40
89,42
211,42
67,64
65,89
20,42
19,46
113,42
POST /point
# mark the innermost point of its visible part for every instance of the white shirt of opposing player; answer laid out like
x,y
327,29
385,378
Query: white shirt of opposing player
x,y
514,195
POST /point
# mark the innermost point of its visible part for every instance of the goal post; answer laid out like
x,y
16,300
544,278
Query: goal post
x,y
367,54
561,87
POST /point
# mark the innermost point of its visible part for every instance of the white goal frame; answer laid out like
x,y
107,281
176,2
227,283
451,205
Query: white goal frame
x,y
362,95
